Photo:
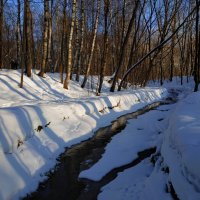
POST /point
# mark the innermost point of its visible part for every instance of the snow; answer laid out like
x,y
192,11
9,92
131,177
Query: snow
x,y
123,148
39,120
178,143
181,147
139,182
142,181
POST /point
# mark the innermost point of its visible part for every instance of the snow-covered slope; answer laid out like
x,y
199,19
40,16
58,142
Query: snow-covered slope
x,y
39,120
177,163
181,148
35,90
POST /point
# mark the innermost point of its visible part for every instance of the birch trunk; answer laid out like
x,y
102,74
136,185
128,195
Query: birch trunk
x,y
69,64
80,53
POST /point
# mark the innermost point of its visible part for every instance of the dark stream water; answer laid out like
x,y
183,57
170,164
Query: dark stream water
x,y
63,183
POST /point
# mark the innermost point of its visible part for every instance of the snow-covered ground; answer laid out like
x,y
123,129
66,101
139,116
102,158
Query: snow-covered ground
x,y
38,121
174,130
181,147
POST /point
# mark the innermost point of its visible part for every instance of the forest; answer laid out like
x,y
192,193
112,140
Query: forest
x,y
133,41
99,99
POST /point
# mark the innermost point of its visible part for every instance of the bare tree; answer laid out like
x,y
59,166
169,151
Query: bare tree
x,y
18,32
45,38
1,32
27,38
197,51
172,50
93,45
81,42
157,48
69,60
63,41
122,52
105,50
50,38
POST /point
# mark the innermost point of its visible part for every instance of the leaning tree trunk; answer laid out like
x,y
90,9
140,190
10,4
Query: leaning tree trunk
x,y
157,48
93,45
123,48
69,64
45,38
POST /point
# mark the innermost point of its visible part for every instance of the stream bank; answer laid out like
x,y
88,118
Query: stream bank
x,y
63,182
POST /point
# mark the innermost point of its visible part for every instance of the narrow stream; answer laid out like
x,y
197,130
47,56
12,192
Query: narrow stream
x,y
64,184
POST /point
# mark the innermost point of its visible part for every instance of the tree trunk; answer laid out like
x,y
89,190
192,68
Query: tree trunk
x,y
196,66
69,60
27,38
172,51
77,43
18,37
63,41
105,50
1,33
157,48
45,38
18,32
93,45
50,42
122,52
80,56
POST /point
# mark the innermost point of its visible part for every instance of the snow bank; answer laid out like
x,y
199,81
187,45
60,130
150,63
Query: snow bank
x,y
142,181
35,89
32,136
181,147
124,147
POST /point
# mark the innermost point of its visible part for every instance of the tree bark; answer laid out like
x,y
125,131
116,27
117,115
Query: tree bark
x,y
1,33
18,32
77,43
69,64
122,52
50,41
27,38
63,41
45,38
93,45
105,51
82,38
172,51
80,50
18,38
196,66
